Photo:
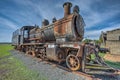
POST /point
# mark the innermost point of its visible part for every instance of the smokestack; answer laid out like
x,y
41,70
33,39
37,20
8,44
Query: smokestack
x,y
67,6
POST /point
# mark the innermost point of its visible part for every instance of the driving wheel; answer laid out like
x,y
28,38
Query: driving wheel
x,y
73,62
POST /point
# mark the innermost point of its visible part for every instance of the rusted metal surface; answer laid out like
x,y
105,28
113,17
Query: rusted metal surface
x,y
62,26
73,62
59,41
67,6
44,34
31,53
48,33
25,34
71,28
80,52
51,51
16,38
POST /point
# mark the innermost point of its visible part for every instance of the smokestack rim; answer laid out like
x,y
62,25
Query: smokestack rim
x,y
69,3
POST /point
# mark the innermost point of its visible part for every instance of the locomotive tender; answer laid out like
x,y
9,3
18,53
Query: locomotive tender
x,y
59,41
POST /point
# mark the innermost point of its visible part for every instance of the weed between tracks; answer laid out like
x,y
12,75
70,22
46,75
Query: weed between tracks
x,y
13,69
112,64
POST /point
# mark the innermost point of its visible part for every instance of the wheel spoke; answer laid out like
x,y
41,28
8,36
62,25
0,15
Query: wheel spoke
x,y
73,62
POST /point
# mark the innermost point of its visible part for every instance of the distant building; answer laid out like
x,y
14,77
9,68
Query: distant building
x,y
113,41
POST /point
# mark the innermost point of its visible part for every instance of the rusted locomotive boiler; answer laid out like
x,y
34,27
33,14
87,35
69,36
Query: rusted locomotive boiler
x,y
59,41
68,29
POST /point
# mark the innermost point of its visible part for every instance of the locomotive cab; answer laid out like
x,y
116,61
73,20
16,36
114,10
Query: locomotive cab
x,y
25,30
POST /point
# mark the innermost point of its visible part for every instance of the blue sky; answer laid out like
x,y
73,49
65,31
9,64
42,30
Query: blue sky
x,y
99,15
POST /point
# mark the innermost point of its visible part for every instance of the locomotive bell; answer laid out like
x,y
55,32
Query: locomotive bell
x,y
67,6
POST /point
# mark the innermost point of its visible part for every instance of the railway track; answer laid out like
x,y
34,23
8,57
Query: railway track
x,y
88,75
64,67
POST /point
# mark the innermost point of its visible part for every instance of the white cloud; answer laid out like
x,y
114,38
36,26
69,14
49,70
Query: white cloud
x,y
94,34
7,23
93,17
30,12
48,11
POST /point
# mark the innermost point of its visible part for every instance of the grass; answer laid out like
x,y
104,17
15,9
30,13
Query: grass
x,y
13,69
4,49
100,54
112,64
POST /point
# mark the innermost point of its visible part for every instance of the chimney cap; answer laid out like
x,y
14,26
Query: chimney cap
x,y
69,3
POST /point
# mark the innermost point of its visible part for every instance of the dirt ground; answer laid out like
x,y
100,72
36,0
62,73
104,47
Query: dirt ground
x,y
113,58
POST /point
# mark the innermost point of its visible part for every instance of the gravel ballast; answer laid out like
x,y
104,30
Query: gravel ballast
x,y
51,72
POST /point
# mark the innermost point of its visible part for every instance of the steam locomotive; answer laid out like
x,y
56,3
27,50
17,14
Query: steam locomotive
x,y
59,41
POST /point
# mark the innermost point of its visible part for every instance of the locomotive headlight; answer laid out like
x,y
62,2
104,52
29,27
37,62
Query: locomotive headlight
x,y
51,46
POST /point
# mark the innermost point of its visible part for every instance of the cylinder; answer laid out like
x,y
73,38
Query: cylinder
x,y
67,6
